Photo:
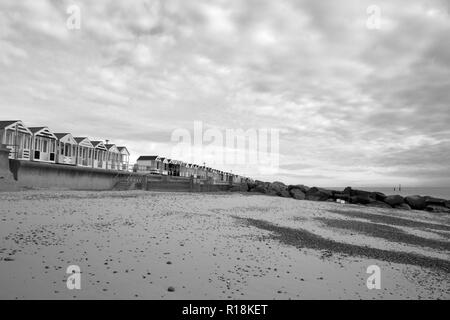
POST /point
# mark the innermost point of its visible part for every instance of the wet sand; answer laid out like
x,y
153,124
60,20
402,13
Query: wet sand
x,y
136,244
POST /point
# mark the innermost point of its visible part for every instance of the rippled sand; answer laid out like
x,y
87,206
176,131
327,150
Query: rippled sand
x,y
216,246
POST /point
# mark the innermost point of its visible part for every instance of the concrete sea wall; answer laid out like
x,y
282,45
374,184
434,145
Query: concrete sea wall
x,y
22,175
36,175
7,182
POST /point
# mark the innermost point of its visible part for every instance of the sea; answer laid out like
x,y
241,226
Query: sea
x,y
437,192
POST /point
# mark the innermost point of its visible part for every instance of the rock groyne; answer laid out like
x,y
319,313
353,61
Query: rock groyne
x,y
349,195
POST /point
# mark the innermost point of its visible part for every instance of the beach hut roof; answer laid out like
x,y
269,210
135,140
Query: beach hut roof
x,y
84,142
42,131
7,123
146,158
20,126
60,135
79,139
99,145
65,137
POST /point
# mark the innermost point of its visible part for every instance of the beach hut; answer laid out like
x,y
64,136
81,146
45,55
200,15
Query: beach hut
x,y
113,156
174,167
66,147
202,172
85,152
124,158
16,137
148,164
164,166
43,146
100,154
185,169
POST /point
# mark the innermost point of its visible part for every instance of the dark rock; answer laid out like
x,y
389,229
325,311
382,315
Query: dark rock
x,y
379,196
250,185
402,206
277,188
394,200
416,202
447,204
318,194
171,289
348,190
271,192
300,187
285,194
361,199
297,194
259,188
435,201
435,208
379,204
341,196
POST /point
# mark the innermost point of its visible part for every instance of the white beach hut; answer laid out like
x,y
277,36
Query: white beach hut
x,y
85,152
43,145
16,137
113,155
66,149
124,158
100,155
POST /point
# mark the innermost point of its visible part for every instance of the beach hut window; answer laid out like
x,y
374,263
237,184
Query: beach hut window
x,y
9,137
45,146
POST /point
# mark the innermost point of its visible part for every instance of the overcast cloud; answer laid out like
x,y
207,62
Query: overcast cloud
x,y
354,106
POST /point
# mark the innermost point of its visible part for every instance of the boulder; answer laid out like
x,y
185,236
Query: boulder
x,y
361,199
379,196
300,187
348,190
402,206
284,193
272,192
394,200
362,193
435,201
250,185
259,188
379,204
318,194
278,188
297,194
416,202
435,208
341,196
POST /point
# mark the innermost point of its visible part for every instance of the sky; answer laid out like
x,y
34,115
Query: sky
x,y
358,95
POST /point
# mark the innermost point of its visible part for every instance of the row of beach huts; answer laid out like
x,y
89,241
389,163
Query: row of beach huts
x,y
164,166
42,145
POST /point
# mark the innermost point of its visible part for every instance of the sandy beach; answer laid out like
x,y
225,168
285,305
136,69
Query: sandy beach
x,y
137,244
